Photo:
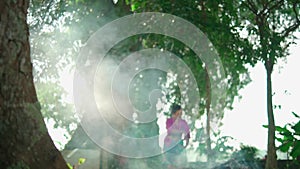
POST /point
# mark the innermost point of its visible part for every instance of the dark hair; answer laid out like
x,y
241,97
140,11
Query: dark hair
x,y
175,107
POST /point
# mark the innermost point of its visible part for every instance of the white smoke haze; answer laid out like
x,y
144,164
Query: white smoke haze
x,y
123,101
113,105
111,92
57,32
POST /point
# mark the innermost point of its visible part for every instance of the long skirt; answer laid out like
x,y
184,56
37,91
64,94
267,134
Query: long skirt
x,y
176,156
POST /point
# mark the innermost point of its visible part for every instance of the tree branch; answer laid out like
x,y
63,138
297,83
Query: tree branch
x,y
250,6
292,28
296,14
265,6
276,5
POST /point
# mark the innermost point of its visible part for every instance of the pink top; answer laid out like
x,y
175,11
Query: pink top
x,y
175,129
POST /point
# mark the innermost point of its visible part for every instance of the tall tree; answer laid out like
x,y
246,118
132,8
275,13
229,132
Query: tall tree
x,y
270,26
215,19
25,142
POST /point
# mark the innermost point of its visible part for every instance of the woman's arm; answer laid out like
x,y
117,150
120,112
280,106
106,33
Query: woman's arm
x,y
186,132
187,139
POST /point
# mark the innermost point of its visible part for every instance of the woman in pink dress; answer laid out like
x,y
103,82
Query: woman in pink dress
x,y
177,131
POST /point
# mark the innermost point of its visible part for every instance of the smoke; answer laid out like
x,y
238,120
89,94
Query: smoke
x,y
57,32
115,114
119,96
116,99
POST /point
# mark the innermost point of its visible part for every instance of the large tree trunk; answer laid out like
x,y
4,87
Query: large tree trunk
x,y
25,142
271,162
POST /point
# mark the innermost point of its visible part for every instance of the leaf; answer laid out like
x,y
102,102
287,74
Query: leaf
x,y
279,139
296,127
285,147
283,130
288,136
296,150
296,115
81,161
69,165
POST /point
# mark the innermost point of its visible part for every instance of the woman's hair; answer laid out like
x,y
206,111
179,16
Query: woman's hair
x,y
175,107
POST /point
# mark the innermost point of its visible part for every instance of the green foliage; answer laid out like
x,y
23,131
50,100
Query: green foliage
x,y
54,106
271,32
215,21
247,153
220,21
58,30
288,137
45,12
51,53
70,166
244,158
220,150
80,162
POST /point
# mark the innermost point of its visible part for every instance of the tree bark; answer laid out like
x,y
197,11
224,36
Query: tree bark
x,y
271,162
25,142
208,119
208,99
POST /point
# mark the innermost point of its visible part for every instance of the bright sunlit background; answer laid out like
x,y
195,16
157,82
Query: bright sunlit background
x,y
245,121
